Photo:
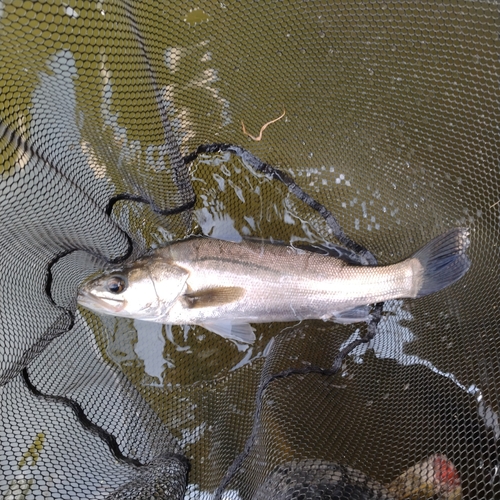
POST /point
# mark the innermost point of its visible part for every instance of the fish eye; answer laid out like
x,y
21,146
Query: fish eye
x,y
116,284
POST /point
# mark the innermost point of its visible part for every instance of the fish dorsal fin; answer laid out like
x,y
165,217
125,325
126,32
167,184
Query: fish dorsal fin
x,y
332,250
237,332
212,297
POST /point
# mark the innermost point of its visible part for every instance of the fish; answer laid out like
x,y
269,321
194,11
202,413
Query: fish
x,y
433,477
225,286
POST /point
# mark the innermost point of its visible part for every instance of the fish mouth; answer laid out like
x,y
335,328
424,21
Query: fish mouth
x,y
100,304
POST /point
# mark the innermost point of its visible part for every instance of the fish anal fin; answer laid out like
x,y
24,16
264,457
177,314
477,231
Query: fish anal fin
x,y
237,332
213,297
354,315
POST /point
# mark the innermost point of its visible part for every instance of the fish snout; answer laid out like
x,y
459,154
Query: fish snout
x,y
100,304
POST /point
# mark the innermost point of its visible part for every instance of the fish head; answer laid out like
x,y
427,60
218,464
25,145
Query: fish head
x,y
145,290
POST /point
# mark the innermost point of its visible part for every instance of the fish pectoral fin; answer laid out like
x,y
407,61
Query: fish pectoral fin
x,y
213,297
237,332
354,315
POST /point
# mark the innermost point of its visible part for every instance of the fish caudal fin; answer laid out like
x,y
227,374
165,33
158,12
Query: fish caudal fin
x,y
443,260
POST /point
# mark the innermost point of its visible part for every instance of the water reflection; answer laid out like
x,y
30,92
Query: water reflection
x,y
149,348
194,491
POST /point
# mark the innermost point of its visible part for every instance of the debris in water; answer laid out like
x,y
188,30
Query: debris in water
x,y
259,137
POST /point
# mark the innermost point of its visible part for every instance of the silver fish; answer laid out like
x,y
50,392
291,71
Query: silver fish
x,y
225,286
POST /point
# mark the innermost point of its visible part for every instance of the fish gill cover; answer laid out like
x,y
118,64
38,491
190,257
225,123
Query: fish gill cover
x,y
390,133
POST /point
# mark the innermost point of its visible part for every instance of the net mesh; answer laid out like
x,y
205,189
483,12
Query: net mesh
x,y
391,123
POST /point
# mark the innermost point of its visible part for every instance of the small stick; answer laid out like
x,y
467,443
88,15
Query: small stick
x,y
259,137
491,205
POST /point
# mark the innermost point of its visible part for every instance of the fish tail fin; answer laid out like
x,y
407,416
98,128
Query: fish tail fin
x,y
443,260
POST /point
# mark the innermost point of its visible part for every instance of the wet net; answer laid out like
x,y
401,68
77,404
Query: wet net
x,y
121,131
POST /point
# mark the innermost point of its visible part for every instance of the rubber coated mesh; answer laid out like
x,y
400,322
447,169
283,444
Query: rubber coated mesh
x,y
391,124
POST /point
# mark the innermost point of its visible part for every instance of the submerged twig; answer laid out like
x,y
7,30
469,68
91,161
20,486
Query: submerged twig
x,y
259,137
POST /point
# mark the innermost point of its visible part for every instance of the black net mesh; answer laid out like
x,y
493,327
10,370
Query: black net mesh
x,y
391,124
